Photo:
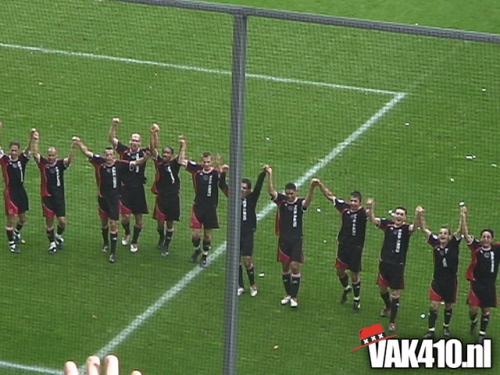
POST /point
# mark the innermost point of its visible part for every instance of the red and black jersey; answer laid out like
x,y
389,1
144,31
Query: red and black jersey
x,y
396,242
136,175
206,184
249,205
289,217
52,177
167,180
14,171
445,258
484,262
353,228
109,177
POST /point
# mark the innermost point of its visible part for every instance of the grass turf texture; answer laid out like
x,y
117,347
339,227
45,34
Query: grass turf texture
x,y
72,304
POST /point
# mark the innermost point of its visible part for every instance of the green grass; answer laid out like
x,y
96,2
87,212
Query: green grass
x,y
72,304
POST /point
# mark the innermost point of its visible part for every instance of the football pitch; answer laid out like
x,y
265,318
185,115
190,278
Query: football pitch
x,y
407,120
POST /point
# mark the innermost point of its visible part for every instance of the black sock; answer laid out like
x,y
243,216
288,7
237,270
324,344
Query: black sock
x,y
287,278
251,275
196,244
168,237
447,317
344,280
137,232
161,233
387,299
206,247
240,277
60,229
433,314
105,235
126,228
473,317
294,285
485,319
394,309
51,235
19,226
114,240
10,235
356,289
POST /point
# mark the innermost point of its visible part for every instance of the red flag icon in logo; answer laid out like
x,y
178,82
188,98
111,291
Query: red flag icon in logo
x,y
371,335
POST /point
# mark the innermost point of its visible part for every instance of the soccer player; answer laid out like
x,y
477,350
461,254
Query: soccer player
x,y
351,239
290,231
133,196
166,187
52,192
109,173
207,178
392,262
445,246
248,227
15,197
482,274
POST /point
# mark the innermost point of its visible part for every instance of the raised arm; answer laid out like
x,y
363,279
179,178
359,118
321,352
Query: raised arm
x,y
416,220
83,148
113,130
370,210
310,193
71,156
422,223
270,186
326,192
35,145
154,140
34,136
259,183
465,226
181,159
222,181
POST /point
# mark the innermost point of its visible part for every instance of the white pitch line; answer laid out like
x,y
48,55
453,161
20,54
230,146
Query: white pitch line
x,y
191,275
36,369
192,68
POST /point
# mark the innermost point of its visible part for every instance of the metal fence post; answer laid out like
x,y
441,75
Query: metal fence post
x,y
234,211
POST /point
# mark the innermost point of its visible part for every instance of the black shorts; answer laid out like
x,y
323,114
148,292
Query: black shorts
x,y
246,243
349,257
109,207
391,275
133,200
290,250
54,206
205,217
443,290
483,294
167,208
16,201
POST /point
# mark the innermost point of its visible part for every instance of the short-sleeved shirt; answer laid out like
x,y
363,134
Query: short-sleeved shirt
x,y
109,177
135,176
289,217
206,184
167,180
445,258
396,242
484,262
52,177
353,228
14,171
